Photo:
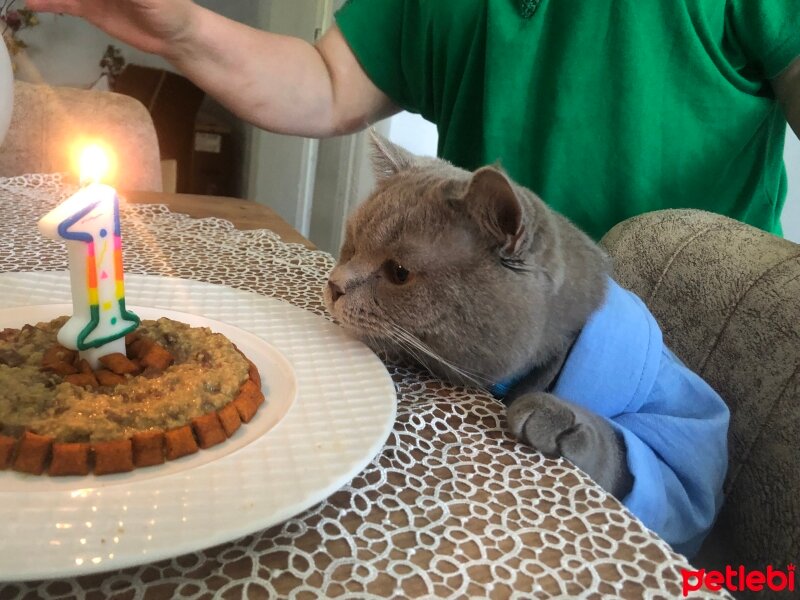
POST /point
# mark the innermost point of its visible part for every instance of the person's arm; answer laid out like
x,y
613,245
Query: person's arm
x,y
787,90
280,83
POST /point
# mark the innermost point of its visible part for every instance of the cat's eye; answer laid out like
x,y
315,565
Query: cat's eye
x,y
396,272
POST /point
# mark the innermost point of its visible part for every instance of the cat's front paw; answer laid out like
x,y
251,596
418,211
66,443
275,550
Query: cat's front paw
x,y
557,428
543,421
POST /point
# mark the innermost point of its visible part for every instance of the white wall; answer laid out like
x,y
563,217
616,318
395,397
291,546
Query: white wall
x,y
413,133
791,212
66,50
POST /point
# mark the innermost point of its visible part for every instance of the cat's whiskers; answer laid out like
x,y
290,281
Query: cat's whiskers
x,y
373,329
411,349
376,331
406,338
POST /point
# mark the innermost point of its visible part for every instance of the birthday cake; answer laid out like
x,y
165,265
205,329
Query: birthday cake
x,y
176,389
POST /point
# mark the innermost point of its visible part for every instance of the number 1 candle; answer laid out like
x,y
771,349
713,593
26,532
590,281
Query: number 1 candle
x,y
88,222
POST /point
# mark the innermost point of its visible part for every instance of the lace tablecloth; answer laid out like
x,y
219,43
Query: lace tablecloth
x,y
451,508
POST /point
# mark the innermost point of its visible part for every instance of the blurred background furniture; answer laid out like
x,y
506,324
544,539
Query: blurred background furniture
x,y
6,91
173,102
47,120
727,296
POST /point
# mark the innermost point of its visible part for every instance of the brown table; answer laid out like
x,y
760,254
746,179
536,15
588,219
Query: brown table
x,y
244,214
451,507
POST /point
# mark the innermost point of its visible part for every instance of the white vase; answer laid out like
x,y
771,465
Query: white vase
x,y
6,90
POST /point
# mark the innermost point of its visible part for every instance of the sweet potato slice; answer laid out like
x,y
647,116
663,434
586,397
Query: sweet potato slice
x,y
109,378
157,358
82,379
254,375
60,368
7,444
113,457
148,448
209,430
139,347
179,442
57,354
119,363
248,400
69,459
229,417
32,453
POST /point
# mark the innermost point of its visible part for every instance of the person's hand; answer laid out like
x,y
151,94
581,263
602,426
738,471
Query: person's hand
x,y
155,26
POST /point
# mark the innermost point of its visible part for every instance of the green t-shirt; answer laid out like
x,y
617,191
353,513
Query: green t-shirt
x,y
605,108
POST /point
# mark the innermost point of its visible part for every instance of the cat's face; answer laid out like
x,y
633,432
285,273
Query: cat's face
x,y
441,264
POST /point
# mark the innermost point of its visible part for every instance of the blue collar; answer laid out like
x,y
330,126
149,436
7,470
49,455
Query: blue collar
x,y
500,390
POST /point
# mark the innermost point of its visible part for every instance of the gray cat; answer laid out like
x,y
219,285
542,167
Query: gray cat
x,y
479,281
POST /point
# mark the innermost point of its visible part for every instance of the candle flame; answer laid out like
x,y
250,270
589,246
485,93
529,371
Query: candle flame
x,y
95,163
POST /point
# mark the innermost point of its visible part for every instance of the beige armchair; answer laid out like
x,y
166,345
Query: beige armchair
x,y
47,120
728,299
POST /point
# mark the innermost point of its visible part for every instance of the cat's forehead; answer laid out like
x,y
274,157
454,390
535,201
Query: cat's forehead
x,y
409,212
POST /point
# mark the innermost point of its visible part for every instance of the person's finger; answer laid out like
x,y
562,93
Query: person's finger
x,y
70,7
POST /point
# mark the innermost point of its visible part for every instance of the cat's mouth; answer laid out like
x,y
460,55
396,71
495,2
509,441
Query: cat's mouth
x,y
361,325
381,333
357,321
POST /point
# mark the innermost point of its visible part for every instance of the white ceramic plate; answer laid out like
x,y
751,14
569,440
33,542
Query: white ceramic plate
x,y
331,405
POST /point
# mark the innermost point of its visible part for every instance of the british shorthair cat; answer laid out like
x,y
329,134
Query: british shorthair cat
x,y
475,278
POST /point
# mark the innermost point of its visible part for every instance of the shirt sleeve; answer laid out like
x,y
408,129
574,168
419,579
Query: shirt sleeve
x,y
765,32
677,452
375,30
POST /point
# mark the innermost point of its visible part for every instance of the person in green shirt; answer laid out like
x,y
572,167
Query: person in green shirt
x,y
606,109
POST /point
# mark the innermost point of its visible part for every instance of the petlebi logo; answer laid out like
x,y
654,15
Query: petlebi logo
x,y
739,579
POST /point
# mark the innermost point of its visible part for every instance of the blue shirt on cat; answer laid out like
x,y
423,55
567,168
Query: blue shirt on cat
x,y
674,424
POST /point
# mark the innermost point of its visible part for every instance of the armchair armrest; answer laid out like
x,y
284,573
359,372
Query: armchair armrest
x,y
727,296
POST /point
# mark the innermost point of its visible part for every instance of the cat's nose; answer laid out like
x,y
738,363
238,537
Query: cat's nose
x,y
336,291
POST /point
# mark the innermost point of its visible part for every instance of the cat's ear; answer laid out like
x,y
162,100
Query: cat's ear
x,y
525,233
494,204
387,158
